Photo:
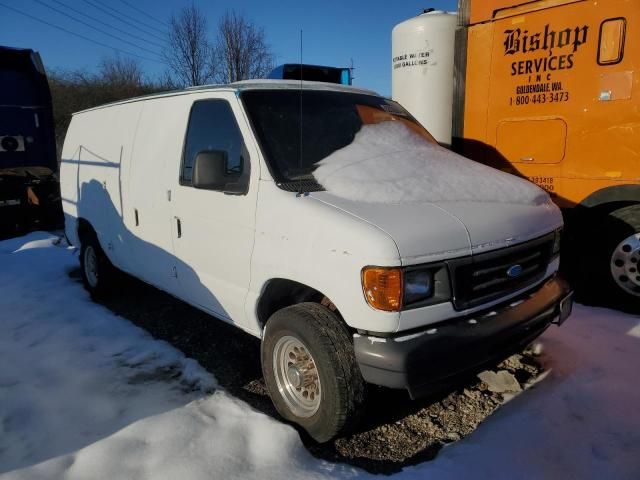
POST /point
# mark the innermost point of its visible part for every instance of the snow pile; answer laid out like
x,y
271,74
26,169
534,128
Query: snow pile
x,y
388,163
213,438
90,396
71,372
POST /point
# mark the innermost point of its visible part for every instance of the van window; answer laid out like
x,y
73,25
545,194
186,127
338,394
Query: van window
x,y
612,36
212,126
298,129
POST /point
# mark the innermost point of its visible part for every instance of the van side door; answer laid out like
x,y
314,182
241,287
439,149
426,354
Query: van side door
x,y
213,226
149,241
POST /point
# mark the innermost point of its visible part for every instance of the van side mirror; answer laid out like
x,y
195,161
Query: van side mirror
x,y
210,170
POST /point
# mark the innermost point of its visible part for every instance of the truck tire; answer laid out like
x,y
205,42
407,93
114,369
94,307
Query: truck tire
x,y
612,272
310,370
97,270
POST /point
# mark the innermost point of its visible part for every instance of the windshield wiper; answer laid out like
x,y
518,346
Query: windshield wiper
x,y
304,185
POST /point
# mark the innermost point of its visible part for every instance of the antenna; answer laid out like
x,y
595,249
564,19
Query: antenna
x,y
351,70
300,192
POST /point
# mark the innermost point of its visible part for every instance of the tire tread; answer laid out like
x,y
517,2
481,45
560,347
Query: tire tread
x,y
333,337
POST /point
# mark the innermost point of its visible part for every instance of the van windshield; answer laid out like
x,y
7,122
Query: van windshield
x,y
297,129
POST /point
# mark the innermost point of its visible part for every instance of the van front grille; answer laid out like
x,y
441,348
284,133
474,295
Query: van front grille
x,y
482,278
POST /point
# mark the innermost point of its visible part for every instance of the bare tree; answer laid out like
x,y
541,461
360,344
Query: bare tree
x,y
189,50
241,51
121,71
167,81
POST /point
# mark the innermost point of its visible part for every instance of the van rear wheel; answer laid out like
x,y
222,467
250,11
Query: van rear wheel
x,y
310,370
97,270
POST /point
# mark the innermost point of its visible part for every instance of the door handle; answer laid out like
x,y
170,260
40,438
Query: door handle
x,y
178,227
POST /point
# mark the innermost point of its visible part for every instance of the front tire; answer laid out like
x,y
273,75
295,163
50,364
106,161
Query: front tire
x,y
97,270
310,370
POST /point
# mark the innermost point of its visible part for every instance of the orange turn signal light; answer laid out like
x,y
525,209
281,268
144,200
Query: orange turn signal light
x,y
382,288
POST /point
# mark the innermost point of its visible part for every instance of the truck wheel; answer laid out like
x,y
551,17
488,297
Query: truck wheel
x,y
610,266
310,370
624,254
97,271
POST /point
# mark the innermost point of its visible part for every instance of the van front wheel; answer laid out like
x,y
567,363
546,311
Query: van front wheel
x,y
97,271
310,370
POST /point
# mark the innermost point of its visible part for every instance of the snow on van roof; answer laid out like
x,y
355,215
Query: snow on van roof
x,y
242,86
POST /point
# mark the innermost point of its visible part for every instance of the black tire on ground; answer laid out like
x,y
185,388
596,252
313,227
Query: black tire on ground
x,y
97,272
603,273
329,343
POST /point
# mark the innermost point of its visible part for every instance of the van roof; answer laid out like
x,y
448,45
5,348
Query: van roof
x,y
243,86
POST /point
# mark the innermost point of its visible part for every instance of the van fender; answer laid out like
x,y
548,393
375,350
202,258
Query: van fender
x,y
84,230
278,293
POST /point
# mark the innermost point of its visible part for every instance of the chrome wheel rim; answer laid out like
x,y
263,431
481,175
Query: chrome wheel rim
x,y
91,266
297,376
625,265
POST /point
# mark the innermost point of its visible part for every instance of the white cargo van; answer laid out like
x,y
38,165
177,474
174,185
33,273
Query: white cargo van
x,y
324,220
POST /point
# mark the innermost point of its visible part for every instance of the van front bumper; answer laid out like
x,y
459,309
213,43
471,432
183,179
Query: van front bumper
x,y
427,360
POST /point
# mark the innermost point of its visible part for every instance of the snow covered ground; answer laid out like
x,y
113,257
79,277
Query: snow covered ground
x,y
84,394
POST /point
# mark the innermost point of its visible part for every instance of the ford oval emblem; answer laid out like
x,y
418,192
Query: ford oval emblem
x,y
514,271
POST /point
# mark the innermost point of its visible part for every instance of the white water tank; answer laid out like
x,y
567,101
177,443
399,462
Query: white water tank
x,y
422,70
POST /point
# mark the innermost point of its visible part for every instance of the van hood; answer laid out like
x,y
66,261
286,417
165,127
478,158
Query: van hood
x,y
435,231
434,203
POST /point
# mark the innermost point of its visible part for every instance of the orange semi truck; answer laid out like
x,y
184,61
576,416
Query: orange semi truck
x,y
550,90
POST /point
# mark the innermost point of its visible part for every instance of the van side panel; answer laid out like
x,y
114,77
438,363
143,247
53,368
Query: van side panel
x,y
293,242
95,157
148,216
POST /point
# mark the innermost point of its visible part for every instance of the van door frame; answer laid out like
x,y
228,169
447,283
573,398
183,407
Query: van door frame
x,y
222,282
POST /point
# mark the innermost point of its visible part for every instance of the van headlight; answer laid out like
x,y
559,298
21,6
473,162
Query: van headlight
x,y
394,289
418,285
